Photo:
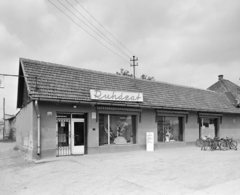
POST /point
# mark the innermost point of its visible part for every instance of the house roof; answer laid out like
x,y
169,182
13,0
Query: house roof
x,y
224,85
60,82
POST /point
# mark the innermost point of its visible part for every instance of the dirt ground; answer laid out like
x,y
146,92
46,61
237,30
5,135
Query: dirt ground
x,y
169,171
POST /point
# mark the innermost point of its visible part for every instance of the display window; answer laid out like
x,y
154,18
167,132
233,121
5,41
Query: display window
x,y
116,129
170,128
208,128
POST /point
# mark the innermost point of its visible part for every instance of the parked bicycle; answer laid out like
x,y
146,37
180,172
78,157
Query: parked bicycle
x,y
213,144
229,143
207,144
200,142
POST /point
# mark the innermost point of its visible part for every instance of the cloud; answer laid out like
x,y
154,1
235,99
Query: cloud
x,y
185,42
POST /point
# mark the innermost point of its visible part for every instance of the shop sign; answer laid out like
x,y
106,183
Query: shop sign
x,y
94,115
116,95
62,124
150,141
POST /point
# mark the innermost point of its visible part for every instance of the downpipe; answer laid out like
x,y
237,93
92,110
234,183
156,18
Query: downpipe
x,y
38,129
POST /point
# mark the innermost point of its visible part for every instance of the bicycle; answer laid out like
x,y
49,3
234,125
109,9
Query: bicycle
x,y
229,143
207,143
200,141
218,143
213,144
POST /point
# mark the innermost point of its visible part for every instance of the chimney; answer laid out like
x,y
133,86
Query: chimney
x,y
220,77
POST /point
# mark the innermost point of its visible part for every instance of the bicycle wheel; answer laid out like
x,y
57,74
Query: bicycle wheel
x,y
223,145
206,145
213,146
233,145
199,143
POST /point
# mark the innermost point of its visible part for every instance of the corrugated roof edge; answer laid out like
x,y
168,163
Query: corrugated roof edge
x,y
106,73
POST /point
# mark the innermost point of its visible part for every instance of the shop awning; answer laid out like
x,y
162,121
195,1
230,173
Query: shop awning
x,y
115,108
210,115
176,113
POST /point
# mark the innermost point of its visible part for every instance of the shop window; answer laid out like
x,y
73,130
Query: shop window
x,y
170,129
116,129
208,127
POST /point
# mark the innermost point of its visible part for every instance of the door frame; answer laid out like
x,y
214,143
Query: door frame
x,y
72,135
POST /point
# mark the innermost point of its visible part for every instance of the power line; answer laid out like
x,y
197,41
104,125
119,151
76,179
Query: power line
x,y
88,32
88,26
105,28
112,43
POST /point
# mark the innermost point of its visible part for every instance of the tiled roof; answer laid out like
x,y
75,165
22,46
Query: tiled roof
x,y
224,85
69,83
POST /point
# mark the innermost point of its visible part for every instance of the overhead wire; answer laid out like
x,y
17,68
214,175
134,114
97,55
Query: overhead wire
x,y
90,27
110,42
87,31
104,28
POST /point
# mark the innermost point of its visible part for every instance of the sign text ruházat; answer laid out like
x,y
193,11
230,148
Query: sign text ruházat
x,y
116,95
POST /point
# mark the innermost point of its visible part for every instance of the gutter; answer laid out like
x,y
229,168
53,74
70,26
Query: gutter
x,y
133,105
38,128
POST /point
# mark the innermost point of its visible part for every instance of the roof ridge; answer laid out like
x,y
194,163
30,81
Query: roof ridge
x,y
232,83
106,73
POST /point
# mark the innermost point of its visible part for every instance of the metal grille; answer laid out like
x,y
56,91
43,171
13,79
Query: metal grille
x,y
63,134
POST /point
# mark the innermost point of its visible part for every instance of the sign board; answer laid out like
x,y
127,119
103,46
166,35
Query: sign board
x,y
93,115
116,95
150,141
62,124
1,81
49,113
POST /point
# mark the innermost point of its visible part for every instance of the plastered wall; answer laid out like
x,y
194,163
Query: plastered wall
x,y
26,128
230,126
191,128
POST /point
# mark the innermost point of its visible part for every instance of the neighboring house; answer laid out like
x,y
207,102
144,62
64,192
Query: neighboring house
x,y
10,127
231,90
68,111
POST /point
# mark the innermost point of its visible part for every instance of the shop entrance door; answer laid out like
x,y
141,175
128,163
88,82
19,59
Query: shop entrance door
x,y
77,140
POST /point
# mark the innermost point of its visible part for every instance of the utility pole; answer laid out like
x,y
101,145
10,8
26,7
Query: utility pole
x,y
134,60
3,117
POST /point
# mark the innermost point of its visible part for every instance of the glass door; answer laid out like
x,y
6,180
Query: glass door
x,y
78,142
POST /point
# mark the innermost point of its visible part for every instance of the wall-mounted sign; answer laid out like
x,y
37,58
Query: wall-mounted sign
x,y
62,124
116,95
1,81
93,115
150,141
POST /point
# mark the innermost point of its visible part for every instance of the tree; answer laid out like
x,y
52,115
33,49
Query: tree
x,y
144,76
124,73
127,73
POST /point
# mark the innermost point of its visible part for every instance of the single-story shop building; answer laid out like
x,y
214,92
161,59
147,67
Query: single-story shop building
x,y
67,111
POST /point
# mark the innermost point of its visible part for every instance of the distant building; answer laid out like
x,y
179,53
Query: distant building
x,y
10,127
67,111
231,90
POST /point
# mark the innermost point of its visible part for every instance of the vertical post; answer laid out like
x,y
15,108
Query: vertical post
x,y
134,60
3,117
108,129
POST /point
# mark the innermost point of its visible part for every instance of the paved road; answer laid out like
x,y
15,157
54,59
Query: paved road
x,y
169,171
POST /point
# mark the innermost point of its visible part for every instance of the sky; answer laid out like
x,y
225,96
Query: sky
x,y
187,42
